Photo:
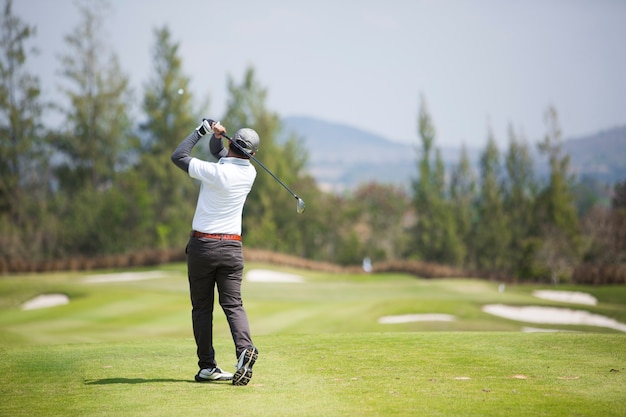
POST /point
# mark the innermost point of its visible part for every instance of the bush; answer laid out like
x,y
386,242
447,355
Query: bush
x,y
593,274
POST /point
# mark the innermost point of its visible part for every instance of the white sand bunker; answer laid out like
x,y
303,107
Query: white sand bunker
x,y
409,318
45,301
126,276
262,275
553,315
567,297
538,330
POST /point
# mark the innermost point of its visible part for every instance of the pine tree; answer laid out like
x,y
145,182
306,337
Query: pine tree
x,y
519,196
462,199
556,212
423,188
435,236
99,129
94,144
170,117
491,232
23,152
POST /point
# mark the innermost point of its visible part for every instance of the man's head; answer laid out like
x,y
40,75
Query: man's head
x,y
248,139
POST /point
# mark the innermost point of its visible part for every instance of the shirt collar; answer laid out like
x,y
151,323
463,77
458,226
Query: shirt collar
x,y
233,160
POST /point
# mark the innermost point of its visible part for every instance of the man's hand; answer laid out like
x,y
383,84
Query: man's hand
x,y
218,129
206,126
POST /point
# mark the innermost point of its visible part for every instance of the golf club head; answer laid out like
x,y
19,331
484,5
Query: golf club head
x,y
300,207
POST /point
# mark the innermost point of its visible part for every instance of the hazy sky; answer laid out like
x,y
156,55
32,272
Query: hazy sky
x,y
365,63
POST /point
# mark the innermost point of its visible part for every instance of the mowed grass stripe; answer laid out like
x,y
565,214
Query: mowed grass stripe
x,y
324,303
125,349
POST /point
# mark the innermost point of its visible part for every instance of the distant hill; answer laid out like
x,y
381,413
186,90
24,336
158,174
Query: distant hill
x,y
601,155
343,157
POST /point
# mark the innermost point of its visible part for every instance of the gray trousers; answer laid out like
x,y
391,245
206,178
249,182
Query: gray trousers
x,y
211,262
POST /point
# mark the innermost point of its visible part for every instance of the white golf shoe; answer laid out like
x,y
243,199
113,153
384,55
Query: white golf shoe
x,y
213,374
247,358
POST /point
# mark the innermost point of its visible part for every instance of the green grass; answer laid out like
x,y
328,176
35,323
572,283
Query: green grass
x,y
125,349
434,374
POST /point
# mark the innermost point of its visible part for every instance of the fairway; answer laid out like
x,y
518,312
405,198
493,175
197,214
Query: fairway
x,y
124,348
434,374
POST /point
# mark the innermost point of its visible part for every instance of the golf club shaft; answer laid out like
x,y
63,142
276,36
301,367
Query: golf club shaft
x,y
261,165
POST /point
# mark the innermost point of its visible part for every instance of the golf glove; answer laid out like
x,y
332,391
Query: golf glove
x,y
205,126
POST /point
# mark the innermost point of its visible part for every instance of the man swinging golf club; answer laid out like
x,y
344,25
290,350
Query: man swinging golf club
x,y
214,250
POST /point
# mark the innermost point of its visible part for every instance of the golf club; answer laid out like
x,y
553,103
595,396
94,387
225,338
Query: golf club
x,y
300,206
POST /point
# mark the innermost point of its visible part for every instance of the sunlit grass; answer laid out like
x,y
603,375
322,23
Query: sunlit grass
x,y
126,349
324,303
341,374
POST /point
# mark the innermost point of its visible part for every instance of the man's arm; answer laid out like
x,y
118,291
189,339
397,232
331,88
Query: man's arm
x,y
216,146
181,156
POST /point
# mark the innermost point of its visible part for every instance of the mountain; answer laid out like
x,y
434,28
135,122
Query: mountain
x,y
341,157
601,156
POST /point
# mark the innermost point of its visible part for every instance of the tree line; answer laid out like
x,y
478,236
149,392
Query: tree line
x,y
102,184
505,221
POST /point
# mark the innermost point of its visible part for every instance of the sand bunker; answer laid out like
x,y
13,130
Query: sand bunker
x,y
532,314
45,301
567,297
538,330
553,315
409,318
126,276
262,275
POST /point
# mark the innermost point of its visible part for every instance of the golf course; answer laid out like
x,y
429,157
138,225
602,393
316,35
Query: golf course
x,y
120,343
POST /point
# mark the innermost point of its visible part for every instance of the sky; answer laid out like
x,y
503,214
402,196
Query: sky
x,y
479,65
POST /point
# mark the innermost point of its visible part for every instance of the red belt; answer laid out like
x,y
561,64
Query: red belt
x,y
219,236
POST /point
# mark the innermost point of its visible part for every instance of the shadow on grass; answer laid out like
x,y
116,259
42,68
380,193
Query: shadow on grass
x,y
109,381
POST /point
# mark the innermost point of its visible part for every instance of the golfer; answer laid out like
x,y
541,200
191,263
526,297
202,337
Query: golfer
x,y
214,251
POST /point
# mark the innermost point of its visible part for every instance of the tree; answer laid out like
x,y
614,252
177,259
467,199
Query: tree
x,y
381,211
23,153
618,201
556,211
168,105
424,194
435,236
451,250
605,228
99,129
462,199
95,142
491,233
618,220
519,196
